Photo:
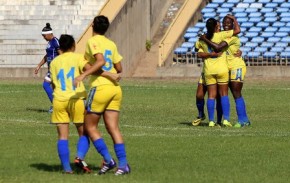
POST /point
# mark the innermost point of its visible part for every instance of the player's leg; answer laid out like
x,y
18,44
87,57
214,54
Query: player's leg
x,y
219,110
48,89
212,93
236,86
63,146
223,92
200,93
97,102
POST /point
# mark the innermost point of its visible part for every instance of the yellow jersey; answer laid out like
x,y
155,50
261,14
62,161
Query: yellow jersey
x,y
234,44
64,68
219,64
101,44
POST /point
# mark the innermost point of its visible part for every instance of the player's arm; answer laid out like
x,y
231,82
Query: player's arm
x,y
238,53
112,76
215,46
208,55
43,61
237,28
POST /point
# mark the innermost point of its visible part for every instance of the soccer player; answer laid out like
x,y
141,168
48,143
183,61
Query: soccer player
x,y
237,68
105,97
52,51
216,70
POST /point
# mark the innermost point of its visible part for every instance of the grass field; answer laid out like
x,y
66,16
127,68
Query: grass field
x,y
161,144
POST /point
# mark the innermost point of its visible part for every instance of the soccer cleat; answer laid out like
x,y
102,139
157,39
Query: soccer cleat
x,y
240,125
226,123
197,121
50,109
82,165
123,171
211,124
107,167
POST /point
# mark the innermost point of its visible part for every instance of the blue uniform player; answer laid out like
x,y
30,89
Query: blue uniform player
x,y
52,51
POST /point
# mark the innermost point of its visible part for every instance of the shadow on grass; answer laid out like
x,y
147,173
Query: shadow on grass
x,y
58,168
37,110
187,123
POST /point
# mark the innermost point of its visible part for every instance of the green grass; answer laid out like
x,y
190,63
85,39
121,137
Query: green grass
x,y
161,144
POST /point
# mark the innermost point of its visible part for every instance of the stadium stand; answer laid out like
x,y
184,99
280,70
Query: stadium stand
x,y
21,42
265,29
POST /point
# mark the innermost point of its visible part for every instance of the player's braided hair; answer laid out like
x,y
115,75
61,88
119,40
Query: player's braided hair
x,y
210,26
101,24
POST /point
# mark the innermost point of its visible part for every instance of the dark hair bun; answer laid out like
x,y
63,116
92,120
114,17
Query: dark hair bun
x,y
47,25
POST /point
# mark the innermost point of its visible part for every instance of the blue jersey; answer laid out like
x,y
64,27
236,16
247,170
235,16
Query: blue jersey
x,y
51,50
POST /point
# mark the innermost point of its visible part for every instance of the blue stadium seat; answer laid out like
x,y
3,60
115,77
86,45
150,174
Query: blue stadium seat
x,y
267,10
209,15
267,44
278,1
256,5
247,24
269,54
285,19
193,40
193,29
285,55
251,34
253,54
285,14
271,5
285,40
262,24
223,10
285,5
287,24
271,29
250,10
242,19
287,49
212,5
270,14
251,45
280,44
255,29
255,19
264,1
284,29
187,45
267,34
207,10
249,1
244,39
282,9
242,5
227,5
200,25
245,49
233,1
189,35
258,39
238,10
277,49
273,39
218,1
278,24
180,50
241,15
261,49
270,19
255,14
281,34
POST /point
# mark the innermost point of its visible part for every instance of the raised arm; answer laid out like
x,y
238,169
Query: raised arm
x,y
215,46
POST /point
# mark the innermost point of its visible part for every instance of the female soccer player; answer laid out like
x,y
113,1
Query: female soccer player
x,y
52,51
237,69
216,71
105,96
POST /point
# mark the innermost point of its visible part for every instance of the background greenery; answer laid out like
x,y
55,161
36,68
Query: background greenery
x,y
162,146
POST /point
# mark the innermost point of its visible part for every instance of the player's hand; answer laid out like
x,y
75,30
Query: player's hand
x,y
116,77
231,16
215,54
78,80
238,53
36,70
202,37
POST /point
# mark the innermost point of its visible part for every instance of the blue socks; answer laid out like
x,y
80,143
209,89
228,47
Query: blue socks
x,y
219,110
63,153
210,109
46,86
226,107
241,110
200,107
83,147
121,154
101,147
